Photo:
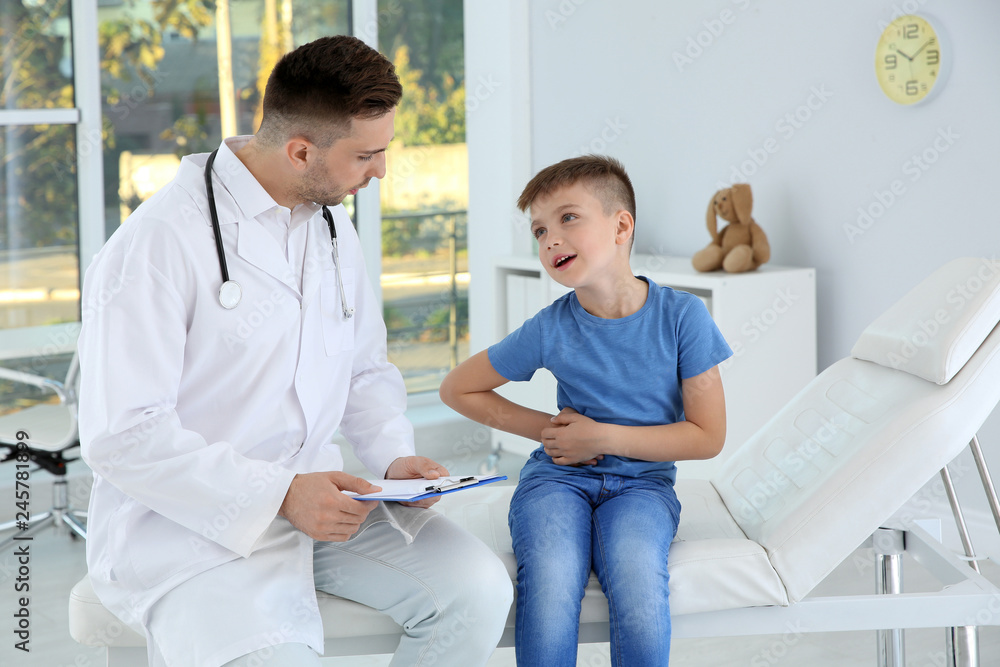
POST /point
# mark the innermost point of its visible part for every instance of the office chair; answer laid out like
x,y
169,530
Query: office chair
x,y
43,434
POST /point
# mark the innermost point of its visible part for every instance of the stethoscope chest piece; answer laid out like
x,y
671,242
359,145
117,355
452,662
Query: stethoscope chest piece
x,y
230,294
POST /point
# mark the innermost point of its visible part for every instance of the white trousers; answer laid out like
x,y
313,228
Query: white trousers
x,y
281,655
445,588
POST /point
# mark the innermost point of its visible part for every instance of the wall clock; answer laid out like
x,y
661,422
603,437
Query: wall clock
x,y
910,61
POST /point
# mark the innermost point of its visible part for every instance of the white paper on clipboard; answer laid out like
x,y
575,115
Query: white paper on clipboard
x,y
408,490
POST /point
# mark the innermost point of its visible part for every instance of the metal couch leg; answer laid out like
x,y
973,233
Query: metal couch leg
x,y
889,546
962,647
984,474
962,643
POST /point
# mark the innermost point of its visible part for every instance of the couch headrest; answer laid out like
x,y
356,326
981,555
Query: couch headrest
x,y
933,330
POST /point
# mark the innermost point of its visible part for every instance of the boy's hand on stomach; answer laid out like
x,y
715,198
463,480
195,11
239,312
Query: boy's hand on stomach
x,y
573,439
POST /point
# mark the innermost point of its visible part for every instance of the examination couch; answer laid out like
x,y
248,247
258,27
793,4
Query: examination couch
x,y
826,473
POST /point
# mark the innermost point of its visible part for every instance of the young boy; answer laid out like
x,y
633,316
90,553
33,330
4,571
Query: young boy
x,y
638,388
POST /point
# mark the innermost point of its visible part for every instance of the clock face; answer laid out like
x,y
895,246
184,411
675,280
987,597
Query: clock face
x,y
908,59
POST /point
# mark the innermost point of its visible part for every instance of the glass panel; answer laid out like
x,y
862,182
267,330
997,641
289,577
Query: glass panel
x,y
36,54
39,267
162,80
425,192
425,288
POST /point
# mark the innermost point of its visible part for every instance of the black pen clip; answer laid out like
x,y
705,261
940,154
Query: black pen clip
x,y
441,488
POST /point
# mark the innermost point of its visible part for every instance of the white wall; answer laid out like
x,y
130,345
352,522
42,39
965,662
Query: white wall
x,y
685,131
498,136
604,76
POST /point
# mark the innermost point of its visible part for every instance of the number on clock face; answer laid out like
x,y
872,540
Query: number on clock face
x,y
907,59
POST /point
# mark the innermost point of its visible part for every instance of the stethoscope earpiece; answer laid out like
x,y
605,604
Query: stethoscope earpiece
x,y
231,293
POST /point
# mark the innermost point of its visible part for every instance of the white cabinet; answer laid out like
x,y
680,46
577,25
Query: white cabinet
x,y
767,316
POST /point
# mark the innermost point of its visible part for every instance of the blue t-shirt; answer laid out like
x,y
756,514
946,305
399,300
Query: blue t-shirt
x,y
621,371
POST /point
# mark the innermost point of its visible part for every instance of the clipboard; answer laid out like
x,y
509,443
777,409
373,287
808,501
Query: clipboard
x,y
409,490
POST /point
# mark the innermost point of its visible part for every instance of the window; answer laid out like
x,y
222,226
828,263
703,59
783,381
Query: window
x,y
50,180
425,193
175,84
39,268
99,102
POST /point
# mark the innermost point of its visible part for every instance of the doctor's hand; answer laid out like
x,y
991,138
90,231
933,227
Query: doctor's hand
x,y
315,505
415,467
574,440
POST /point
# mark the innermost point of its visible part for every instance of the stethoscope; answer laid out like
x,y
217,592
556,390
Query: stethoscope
x,y
231,293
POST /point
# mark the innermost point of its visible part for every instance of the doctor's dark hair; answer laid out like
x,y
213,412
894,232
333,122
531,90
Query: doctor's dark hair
x,y
316,90
604,176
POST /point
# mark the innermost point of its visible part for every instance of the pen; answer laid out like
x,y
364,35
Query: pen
x,y
464,481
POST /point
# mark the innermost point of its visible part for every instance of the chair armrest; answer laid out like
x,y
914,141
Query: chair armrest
x,y
35,380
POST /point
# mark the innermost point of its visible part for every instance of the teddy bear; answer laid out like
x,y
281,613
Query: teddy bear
x,y
741,245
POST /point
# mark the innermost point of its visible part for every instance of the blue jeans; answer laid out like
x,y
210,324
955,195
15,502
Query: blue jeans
x,y
621,527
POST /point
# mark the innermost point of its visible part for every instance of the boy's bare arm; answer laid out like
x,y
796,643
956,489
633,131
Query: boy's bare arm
x,y
468,389
571,437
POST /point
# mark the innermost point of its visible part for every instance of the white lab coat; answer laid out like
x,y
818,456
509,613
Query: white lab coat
x,y
195,418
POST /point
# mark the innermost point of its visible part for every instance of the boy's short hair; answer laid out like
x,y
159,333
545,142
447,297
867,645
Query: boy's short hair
x,y
317,89
605,175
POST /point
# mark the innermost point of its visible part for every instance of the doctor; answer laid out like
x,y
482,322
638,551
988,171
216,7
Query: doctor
x,y
217,362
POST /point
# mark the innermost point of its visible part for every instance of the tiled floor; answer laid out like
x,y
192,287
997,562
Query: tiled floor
x,y
58,562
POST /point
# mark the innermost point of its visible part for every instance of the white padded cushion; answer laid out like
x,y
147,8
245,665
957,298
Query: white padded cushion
x,y
712,564
845,453
933,330
91,624
50,425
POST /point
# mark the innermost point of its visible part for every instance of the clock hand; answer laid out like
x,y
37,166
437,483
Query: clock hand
x,y
922,48
906,56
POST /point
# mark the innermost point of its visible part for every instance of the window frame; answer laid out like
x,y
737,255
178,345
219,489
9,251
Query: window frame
x,y
89,138
86,117
367,201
